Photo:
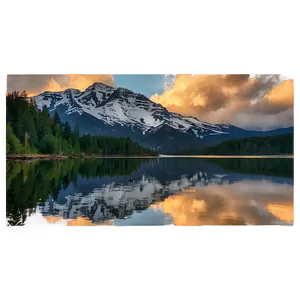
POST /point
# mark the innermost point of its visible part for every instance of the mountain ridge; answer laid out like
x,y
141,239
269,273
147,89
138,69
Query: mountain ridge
x,y
105,110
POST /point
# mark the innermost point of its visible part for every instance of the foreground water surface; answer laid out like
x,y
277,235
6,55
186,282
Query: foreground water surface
x,y
152,191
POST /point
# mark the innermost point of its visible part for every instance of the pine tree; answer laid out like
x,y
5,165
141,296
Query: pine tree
x,y
77,148
95,147
75,134
65,146
45,123
70,146
26,143
48,144
67,131
58,140
7,147
29,127
34,112
24,95
123,146
13,144
55,121
89,144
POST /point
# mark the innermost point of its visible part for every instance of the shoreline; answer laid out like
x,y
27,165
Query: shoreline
x,y
229,156
56,156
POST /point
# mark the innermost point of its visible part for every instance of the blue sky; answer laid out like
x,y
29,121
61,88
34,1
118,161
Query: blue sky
x,y
147,85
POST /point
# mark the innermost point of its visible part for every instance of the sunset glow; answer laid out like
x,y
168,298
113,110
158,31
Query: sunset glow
x,y
251,102
229,204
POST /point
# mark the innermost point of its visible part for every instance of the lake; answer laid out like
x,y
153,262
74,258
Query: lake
x,y
187,191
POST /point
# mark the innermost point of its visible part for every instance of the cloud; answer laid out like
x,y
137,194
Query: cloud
x,y
168,85
35,84
259,102
251,102
168,74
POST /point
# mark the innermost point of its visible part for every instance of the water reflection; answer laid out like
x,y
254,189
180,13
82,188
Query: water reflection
x,y
241,203
175,191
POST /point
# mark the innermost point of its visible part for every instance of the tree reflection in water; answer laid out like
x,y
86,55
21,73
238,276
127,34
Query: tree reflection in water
x,y
184,191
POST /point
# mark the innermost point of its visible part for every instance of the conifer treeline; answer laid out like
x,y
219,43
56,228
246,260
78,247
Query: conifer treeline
x,y
267,145
29,130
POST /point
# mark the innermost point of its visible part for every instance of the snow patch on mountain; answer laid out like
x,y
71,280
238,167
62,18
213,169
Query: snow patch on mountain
x,y
121,106
195,132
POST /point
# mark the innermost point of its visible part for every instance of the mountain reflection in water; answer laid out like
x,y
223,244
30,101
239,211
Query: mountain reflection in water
x,y
179,191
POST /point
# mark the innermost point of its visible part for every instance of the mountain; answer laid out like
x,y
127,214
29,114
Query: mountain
x,y
106,110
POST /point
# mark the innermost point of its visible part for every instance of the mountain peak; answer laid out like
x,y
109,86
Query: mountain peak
x,y
100,85
75,91
125,90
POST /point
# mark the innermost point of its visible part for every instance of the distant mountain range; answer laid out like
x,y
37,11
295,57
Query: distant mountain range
x,y
106,110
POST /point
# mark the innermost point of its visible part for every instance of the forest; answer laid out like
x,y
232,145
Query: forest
x,y
267,145
33,131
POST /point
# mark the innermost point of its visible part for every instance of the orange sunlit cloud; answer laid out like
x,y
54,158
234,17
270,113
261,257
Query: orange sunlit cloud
x,y
35,84
80,82
282,93
233,99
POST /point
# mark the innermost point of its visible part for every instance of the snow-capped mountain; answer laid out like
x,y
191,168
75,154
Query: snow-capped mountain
x,y
119,106
106,110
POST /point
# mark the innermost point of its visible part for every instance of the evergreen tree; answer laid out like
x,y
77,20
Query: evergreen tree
x,y
58,140
29,127
65,146
34,111
67,131
24,95
48,144
75,134
26,143
45,123
13,144
70,146
95,147
55,121
77,148
7,147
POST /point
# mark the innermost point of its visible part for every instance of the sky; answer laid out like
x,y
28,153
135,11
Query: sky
x,y
258,102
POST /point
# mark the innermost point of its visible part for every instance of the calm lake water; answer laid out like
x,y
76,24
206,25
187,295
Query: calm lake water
x,y
150,191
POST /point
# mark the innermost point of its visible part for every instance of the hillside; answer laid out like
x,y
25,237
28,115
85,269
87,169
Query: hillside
x,y
266,145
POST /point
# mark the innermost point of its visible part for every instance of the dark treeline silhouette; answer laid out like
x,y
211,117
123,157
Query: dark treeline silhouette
x,y
30,131
29,183
267,145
